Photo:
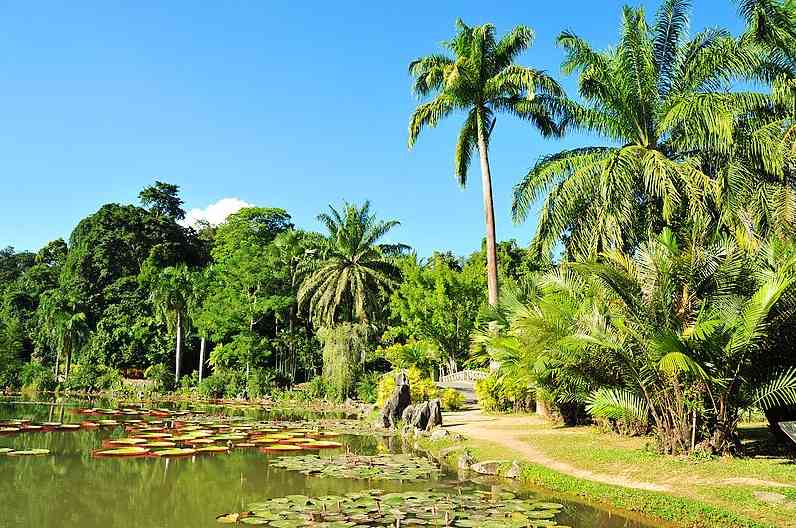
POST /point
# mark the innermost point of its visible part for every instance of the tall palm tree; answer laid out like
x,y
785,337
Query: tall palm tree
x,y
659,98
482,80
353,273
66,325
170,294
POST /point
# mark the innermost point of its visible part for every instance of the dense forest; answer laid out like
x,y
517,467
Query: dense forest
x,y
244,307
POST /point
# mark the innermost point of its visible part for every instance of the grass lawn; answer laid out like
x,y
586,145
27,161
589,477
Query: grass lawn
x,y
716,492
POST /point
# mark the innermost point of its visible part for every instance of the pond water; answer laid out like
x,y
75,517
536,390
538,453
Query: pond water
x,y
71,488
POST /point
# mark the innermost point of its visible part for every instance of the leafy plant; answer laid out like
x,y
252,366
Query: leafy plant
x,y
368,387
452,400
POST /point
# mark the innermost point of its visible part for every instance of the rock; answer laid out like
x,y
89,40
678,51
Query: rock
x,y
439,434
406,416
465,461
487,467
401,379
514,471
420,416
395,406
434,414
443,453
770,497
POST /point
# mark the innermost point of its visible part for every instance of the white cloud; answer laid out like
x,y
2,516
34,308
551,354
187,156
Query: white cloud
x,y
215,213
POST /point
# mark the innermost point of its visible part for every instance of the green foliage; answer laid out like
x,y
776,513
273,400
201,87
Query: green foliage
x,y
316,388
367,388
161,377
353,275
260,383
34,377
90,377
344,349
421,388
213,387
500,394
451,399
422,355
163,200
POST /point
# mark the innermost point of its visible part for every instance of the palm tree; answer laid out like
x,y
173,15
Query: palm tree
x,y
660,99
353,274
170,294
482,80
66,325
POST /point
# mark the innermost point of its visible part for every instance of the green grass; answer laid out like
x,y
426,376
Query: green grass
x,y
709,504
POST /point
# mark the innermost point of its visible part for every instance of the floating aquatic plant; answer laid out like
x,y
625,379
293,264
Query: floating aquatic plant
x,y
466,508
376,467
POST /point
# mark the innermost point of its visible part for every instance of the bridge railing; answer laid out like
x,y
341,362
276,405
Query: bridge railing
x,y
464,375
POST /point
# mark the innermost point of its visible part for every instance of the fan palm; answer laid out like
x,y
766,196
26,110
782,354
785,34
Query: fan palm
x,y
482,80
353,273
658,98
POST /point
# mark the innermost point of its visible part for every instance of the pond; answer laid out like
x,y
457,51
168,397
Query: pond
x,y
70,487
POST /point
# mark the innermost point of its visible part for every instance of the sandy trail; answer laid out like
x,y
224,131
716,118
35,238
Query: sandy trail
x,y
508,431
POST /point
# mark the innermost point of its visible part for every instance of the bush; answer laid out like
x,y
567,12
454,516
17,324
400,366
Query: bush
x,y
497,395
316,388
368,387
90,377
260,383
421,388
36,377
213,386
161,377
452,400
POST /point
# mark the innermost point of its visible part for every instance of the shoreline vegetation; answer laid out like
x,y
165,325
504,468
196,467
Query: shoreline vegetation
x,y
682,501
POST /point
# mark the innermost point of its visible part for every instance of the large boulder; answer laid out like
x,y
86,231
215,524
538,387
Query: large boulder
x,y
434,414
401,399
420,416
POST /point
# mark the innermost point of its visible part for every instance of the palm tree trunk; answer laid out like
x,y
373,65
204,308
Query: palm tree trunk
x,y
178,351
201,359
489,211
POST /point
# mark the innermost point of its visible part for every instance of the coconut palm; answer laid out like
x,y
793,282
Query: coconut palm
x,y
352,273
659,98
482,80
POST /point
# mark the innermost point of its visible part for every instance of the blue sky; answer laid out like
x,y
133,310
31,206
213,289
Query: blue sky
x,y
286,104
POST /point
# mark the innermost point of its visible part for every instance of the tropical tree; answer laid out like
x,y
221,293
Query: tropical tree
x,y
663,101
353,274
482,80
65,325
170,293
163,199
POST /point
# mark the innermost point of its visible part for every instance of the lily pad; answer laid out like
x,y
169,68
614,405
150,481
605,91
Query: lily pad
x,y
122,452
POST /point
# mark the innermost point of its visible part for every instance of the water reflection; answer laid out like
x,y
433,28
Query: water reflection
x,y
72,489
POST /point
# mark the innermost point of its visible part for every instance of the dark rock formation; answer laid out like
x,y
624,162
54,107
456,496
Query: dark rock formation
x,y
434,414
394,407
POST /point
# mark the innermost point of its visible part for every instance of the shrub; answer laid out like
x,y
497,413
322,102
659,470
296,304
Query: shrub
x,y
90,377
452,400
421,388
161,377
260,383
213,386
499,395
368,387
36,377
316,388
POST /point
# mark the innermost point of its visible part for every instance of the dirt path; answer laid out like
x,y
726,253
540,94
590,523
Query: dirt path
x,y
508,432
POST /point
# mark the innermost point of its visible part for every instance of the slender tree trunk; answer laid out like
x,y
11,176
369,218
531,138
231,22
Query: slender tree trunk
x,y
201,359
489,211
178,351
57,363
68,360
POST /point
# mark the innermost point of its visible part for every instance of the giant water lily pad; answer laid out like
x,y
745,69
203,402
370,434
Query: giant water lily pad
x,y
129,451
379,467
443,507
29,452
176,452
